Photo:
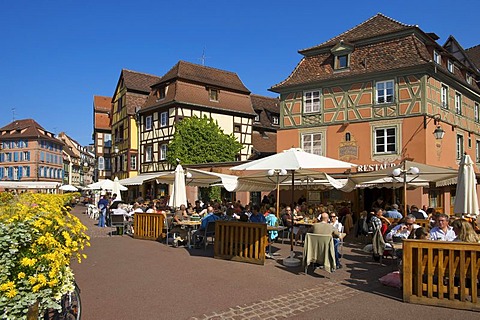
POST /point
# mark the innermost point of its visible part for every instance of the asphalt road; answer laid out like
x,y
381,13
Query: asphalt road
x,y
126,278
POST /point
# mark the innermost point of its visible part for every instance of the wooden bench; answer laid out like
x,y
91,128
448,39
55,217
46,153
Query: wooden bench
x,y
148,226
240,241
441,273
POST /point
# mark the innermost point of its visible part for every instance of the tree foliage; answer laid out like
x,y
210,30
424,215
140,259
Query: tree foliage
x,y
201,140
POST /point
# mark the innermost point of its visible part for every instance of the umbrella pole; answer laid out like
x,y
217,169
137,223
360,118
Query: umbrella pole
x,y
291,261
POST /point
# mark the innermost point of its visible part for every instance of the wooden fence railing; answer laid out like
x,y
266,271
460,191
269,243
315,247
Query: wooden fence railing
x,y
441,273
241,241
421,222
148,226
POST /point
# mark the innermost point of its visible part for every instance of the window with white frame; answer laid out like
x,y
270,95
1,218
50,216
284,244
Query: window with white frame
x,y
148,153
477,151
163,151
450,66
458,103
275,120
163,119
384,91
436,57
476,111
385,140
148,123
257,117
459,146
312,143
133,162
444,96
469,78
311,101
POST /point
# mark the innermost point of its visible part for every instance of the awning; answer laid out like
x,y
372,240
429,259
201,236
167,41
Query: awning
x,y
139,180
29,184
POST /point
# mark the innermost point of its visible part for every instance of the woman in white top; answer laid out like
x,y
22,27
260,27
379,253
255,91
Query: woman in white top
x,y
334,221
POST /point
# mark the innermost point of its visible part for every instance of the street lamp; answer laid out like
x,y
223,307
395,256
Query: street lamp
x,y
404,172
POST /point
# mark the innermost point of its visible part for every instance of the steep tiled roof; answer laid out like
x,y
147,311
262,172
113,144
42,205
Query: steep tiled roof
x,y
265,107
264,143
407,51
207,75
138,81
102,103
474,55
375,26
26,128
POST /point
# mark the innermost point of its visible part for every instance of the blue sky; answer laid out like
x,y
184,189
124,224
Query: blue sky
x,y
56,55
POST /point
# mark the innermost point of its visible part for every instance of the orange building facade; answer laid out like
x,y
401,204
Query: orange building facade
x,y
375,94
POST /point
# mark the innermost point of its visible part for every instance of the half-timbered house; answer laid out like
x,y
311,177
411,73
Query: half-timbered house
x,y
102,136
374,95
130,94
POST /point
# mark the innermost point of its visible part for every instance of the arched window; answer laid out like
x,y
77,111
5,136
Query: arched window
x,y
347,136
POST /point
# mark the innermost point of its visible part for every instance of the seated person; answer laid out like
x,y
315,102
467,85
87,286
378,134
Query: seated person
x,y
324,227
180,215
209,217
442,231
464,231
272,221
403,230
392,212
420,234
289,221
256,215
117,212
335,223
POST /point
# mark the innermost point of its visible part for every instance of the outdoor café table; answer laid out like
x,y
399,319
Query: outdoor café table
x,y
190,225
272,228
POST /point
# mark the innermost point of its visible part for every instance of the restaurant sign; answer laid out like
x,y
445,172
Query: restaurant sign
x,y
375,166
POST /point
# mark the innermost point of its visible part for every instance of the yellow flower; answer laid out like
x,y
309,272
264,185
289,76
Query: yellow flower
x,y
32,280
42,279
36,287
11,293
21,275
7,286
27,262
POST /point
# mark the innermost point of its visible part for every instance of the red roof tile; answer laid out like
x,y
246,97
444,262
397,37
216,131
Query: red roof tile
x,y
474,55
26,128
205,75
375,26
266,107
264,142
138,81
102,103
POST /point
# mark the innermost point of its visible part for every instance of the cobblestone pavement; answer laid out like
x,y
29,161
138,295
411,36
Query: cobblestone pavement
x,y
287,305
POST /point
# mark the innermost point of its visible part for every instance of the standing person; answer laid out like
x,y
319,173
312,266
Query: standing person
x,y
103,207
442,231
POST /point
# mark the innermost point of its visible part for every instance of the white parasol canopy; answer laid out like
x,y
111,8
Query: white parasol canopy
x,y
179,192
68,187
466,201
106,184
294,159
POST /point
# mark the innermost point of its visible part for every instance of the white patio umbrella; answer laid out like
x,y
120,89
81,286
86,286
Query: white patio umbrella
x,y
466,201
106,184
117,187
68,187
292,160
179,192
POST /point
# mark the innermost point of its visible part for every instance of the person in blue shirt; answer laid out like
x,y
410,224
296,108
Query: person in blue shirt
x,y
210,216
256,215
103,206
393,212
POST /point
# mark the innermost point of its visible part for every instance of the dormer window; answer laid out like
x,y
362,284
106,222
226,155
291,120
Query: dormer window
x,y
341,53
257,117
450,66
275,120
436,57
213,94
341,62
161,93
469,78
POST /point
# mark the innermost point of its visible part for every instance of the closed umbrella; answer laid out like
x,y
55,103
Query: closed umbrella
x,y
179,193
117,187
292,160
466,201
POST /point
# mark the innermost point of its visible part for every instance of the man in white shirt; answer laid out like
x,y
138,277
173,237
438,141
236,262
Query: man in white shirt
x,y
403,230
442,231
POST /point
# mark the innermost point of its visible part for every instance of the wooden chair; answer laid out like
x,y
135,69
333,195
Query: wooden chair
x,y
209,232
118,221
